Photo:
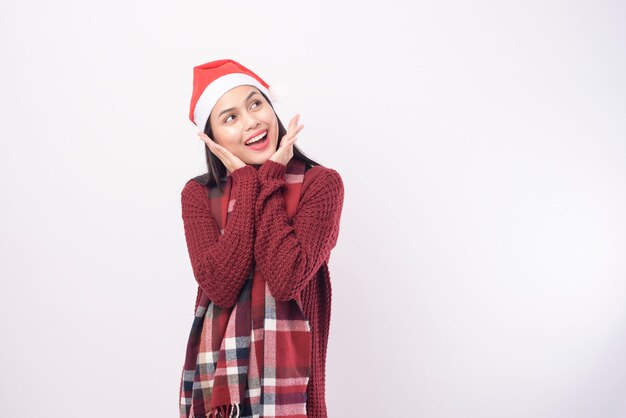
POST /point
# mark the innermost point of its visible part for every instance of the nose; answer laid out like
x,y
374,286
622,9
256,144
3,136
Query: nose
x,y
251,121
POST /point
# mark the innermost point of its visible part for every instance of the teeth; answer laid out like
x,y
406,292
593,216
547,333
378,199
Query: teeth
x,y
257,138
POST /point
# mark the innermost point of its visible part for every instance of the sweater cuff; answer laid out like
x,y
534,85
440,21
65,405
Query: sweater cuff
x,y
244,173
272,170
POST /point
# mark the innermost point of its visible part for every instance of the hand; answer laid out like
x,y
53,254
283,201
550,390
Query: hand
x,y
284,153
231,162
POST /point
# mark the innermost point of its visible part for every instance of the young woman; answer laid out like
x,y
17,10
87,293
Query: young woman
x,y
260,226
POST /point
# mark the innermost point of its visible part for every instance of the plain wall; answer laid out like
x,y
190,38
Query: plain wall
x,y
480,269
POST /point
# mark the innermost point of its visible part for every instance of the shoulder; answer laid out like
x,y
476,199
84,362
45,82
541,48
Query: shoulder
x,y
321,178
195,189
321,173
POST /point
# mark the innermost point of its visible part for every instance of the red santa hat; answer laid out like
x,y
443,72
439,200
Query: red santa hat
x,y
213,79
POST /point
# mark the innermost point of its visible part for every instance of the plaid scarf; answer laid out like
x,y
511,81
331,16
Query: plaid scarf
x,y
254,359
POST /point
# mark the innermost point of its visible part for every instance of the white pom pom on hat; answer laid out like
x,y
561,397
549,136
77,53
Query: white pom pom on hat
x,y
278,92
213,79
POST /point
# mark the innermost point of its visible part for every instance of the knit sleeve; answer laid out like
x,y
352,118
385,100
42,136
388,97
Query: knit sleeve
x,y
289,253
221,263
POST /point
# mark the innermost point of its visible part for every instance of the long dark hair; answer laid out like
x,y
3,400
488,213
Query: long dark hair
x,y
217,170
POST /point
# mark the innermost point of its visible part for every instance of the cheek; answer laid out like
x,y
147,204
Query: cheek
x,y
227,136
275,136
273,122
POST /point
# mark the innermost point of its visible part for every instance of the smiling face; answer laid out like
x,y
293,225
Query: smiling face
x,y
240,115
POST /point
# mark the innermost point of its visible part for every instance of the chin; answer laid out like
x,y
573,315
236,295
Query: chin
x,y
258,160
261,158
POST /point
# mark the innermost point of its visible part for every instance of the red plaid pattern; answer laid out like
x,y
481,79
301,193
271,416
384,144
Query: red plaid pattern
x,y
252,360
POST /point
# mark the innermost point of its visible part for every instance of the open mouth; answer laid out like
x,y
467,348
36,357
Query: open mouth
x,y
258,141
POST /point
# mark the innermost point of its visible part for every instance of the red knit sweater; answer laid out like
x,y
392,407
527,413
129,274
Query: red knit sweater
x,y
292,255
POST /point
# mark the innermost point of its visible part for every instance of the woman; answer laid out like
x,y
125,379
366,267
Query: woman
x,y
260,226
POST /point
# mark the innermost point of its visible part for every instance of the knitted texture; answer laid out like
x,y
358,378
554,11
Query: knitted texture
x,y
221,264
293,256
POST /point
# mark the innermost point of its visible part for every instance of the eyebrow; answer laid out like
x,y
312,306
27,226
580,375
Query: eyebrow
x,y
252,93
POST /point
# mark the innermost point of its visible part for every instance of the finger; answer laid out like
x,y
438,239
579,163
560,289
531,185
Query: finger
x,y
213,146
225,152
221,153
294,127
205,138
298,129
287,142
291,135
293,123
216,148
228,158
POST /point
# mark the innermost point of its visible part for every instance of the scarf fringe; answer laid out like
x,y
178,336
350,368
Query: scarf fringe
x,y
222,410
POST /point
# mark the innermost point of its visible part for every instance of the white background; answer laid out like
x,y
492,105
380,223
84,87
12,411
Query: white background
x,y
480,270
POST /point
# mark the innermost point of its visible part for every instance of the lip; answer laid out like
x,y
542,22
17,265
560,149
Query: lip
x,y
260,145
255,134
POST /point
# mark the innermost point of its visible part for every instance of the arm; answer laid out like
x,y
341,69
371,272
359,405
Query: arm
x,y
221,263
290,253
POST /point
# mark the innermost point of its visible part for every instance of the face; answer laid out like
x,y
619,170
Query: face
x,y
240,115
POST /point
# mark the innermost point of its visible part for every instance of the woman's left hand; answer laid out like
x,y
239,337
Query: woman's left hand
x,y
284,153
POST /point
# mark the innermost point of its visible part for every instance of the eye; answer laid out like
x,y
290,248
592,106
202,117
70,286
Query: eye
x,y
228,117
257,103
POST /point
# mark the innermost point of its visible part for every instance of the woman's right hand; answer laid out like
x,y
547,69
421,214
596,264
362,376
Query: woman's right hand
x,y
230,161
